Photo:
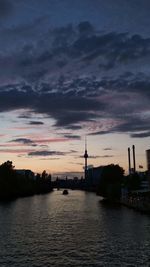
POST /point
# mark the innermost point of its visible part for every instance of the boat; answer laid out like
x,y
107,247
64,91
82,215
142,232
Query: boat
x,y
65,192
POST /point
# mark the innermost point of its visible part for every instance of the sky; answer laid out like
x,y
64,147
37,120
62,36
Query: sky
x,y
70,70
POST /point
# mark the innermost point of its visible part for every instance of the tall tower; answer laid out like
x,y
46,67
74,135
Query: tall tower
x,y
85,157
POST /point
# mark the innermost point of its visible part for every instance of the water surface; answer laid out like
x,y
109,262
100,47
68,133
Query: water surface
x,y
72,230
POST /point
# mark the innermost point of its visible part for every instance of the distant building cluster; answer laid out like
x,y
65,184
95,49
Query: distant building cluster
x,y
94,176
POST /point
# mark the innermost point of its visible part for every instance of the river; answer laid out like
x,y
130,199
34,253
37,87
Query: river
x,y
72,230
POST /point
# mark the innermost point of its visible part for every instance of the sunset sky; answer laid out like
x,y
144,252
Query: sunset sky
x,y
70,69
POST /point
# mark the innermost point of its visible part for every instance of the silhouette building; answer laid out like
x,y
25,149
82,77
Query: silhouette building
x,y
148,159
94,175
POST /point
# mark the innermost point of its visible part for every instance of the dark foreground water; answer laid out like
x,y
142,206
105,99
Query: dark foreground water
x,y
74,230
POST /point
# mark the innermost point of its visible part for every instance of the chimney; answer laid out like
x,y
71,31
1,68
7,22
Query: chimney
x,y
134,166
129,160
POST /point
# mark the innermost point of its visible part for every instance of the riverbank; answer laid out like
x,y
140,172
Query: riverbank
x,y
138,200
10,197
136,204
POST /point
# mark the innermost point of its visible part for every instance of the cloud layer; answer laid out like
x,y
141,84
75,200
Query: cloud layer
x,y
78,76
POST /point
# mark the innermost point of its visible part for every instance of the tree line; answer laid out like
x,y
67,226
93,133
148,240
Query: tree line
x,y
113,180
14,184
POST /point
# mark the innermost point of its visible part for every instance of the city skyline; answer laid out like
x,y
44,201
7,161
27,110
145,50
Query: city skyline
x,y
70,70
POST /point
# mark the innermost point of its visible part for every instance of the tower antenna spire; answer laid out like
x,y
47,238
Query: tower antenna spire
x,y
85,143
85,157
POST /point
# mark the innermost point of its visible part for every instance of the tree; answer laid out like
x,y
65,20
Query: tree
x,y
110,182
7,179
7,166
44,175
14,184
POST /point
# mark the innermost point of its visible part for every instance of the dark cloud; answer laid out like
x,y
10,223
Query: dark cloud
x,y
36,123
45,153
6,8
73,127
77,91
85,29
15,99
141,135
24,141
100,132
71,48
130,125
90,157
103,14
72,136
25,116
69,118
111,48
26,34
73,151
133,124
45,56
121,102
96,157
63,37
107,148
68,110
93,157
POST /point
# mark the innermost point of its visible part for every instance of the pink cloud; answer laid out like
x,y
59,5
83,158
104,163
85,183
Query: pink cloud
x,y
12,145
50,140
15,151
21,128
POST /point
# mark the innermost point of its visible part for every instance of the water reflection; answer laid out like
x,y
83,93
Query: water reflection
x,y
76,229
